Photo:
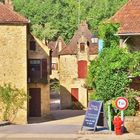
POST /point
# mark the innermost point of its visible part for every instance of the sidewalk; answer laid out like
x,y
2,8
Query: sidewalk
x,y
68,137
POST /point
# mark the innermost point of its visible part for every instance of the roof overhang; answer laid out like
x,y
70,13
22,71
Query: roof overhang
x,y
127,34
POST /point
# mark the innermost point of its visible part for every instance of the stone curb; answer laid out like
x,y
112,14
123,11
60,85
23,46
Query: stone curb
x,y
3,123
96,132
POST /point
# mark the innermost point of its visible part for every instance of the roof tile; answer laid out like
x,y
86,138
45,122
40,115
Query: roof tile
x,y
72,46
128,17
7,15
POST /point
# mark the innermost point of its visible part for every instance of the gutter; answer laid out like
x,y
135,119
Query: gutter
x,y
128,34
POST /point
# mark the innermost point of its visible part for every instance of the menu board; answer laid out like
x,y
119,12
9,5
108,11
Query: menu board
x,y
92,115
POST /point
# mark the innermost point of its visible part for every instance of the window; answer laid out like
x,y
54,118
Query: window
x,y
82,69
32,45
34,69
82,47
37,69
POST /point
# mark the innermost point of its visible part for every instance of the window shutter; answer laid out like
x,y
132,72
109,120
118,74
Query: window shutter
x,y
44,68
28,68
82,69
50,62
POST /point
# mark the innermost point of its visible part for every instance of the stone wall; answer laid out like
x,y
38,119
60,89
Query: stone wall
x,y
68,72
41,52
45,97
132,124
13,57
69,79
55,73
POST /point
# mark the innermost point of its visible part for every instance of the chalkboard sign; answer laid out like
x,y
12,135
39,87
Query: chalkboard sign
x,y
92,115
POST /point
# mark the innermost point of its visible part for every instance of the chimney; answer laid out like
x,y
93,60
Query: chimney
x,y
9,4
59,45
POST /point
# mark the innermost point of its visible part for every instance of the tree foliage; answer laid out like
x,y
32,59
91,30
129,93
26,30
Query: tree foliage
x,y
107,32
110,71
62,15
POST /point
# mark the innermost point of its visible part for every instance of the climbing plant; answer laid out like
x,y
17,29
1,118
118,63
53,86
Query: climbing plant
x,y
11,100
107,32
110,72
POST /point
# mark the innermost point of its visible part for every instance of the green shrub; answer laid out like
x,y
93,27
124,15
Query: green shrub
x,y
12,99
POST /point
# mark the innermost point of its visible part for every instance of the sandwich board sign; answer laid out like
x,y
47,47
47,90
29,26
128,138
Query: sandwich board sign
x,y
92,115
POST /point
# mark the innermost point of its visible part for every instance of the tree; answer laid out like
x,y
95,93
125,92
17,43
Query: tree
x,y
107,32
2,0
109,74
62,15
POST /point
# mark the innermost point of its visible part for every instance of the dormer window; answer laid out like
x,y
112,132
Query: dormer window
x,y
94,39
32,45
82,47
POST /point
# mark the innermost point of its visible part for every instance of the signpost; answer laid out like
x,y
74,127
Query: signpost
x,y
92,115
121,104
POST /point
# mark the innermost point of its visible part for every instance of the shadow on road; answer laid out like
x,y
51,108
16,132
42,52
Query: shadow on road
x,y
57,115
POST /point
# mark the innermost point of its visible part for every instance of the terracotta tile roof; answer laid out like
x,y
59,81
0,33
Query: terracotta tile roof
x,y
53,45
72,46
9,16
128,17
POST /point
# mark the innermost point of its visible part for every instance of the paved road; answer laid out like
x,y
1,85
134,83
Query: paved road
x,y
66,121
63,125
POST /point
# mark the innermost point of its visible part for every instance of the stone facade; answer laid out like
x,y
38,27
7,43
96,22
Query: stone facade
x,y
55,64
13,56
68,71
73,66
18,57
132,124
41,52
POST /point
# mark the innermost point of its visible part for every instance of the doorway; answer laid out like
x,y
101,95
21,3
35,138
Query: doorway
x,y
35,102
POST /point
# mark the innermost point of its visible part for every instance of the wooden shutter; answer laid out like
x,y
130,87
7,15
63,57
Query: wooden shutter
x,y
44,68
50,62
74,94
82,69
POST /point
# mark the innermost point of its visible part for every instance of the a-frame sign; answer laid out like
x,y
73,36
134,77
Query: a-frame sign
x,y
92,115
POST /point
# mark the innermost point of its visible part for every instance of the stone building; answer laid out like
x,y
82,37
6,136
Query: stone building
x,y
129,32
17,48
73,66
38,78
56,47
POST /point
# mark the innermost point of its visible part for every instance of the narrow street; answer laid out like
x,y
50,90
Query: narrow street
x,y
59,122
62,125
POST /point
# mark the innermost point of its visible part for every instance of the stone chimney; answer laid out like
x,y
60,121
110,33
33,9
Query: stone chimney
x,y
59,45
9,4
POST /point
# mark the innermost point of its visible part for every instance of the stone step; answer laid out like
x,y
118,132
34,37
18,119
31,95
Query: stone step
x,y
137,131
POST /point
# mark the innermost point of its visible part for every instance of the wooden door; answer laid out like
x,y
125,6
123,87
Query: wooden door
x,y
35,102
